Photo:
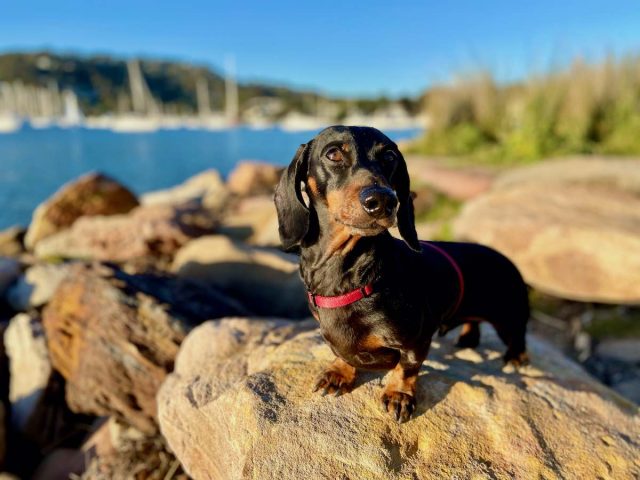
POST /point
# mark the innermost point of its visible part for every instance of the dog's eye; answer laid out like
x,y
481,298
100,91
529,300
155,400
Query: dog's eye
x,y
334,154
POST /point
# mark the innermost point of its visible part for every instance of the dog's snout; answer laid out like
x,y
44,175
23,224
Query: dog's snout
x,y
379,202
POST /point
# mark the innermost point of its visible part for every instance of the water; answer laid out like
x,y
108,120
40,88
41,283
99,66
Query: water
x,y
35,163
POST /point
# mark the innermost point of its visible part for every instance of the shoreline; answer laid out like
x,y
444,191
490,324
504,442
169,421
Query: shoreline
x,y
145,124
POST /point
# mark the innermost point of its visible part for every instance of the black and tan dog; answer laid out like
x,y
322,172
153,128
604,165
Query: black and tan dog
x,y
379,300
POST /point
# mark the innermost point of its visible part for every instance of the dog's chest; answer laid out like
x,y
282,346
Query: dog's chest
x,y
358,342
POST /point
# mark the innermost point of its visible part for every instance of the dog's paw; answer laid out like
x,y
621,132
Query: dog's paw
x,y
399,404
334,382
513,362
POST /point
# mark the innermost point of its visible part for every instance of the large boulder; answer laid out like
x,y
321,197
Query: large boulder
x,y
455,182
572,235
253,178
113,337
148,231
207,187
616,173
265,280
253,220
239,405
91,194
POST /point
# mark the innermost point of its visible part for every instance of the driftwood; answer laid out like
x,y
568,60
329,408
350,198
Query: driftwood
x,y
114,337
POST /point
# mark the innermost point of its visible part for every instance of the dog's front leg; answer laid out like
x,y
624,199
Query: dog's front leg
x,y
399,396
339,378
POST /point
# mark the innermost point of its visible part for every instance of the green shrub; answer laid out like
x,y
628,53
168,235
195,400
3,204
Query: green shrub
x,y
583,109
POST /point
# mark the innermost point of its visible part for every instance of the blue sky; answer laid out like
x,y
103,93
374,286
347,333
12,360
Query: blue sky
x,y
336,47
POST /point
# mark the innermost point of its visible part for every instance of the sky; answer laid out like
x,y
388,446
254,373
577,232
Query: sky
x,y
344,48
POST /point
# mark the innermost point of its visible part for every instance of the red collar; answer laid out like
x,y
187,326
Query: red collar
x,y
341,300
363,292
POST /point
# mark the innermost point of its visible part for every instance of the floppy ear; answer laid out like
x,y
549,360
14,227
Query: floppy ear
x,y
406,220
293,214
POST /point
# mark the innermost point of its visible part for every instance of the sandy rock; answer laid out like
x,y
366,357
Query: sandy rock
x,y
206,187
239,405
11,241
265,280
458,183
253,220
253,178
36,286
9,272
114,336
614,173
40,418
91,194
30,367
572,241
146,231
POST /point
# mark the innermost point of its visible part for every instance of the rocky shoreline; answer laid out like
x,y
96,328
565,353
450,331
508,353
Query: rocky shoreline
x,y
167,336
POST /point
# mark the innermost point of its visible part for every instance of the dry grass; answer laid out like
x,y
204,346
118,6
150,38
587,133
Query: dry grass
x,y
582,109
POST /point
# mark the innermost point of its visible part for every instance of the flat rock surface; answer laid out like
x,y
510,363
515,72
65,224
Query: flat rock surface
x,y
239,405
455,182
265,280
574,241
152,230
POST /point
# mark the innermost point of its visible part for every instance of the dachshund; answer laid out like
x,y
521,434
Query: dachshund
x,y
379,299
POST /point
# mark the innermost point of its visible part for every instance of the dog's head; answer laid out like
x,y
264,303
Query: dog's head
x,y
356,177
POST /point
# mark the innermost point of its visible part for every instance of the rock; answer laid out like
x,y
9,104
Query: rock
x,y
614,173
253,178
253,220
114,336
36,286
147,231
9,272
625,350
39,413
265,280
572,241
206,187
91,194
458,183
30,367
239,405
11,242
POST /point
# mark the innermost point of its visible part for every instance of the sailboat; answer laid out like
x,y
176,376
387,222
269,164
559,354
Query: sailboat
x,y
145,116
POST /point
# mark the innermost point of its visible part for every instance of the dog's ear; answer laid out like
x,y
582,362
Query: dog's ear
x,y
406,218
293,214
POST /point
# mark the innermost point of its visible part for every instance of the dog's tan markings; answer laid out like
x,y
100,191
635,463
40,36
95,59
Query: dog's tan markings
x,y
335,200
346,147
339,378
313,186
340,239
467,328
371,342
350,244
402,381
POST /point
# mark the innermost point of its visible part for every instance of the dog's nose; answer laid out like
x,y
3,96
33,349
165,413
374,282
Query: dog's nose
x,y
379,202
